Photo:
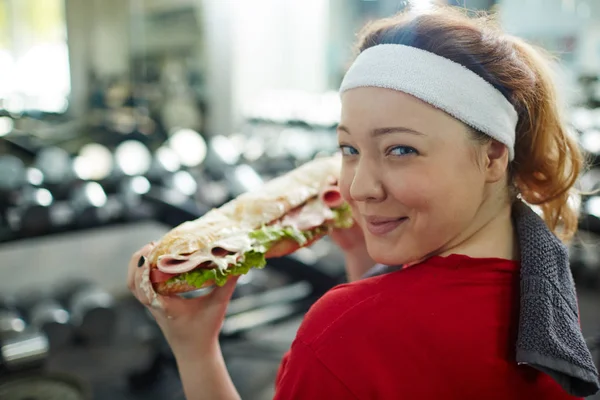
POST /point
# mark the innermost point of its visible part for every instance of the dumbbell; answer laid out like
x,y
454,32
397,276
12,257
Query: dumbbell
x,y
32,214
12,178
132,158
20,346
38,385
89,202
47,315
189,146
11,320
130,193
5,231
50,317
183,182
56,167
92,311
95,162
159,359
26,350
168,170
165,162
211,192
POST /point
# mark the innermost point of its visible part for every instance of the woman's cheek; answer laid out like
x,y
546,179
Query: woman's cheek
x,y
415,188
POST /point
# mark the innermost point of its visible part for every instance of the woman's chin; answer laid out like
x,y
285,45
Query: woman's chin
x,y
383,255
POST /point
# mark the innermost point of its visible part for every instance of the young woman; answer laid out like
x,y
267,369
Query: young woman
x,y
446,124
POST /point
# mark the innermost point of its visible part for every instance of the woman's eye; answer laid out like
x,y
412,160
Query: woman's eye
x,y
402,151
348,150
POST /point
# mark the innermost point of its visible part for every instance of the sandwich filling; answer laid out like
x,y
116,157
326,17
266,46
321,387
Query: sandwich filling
x,y
245,249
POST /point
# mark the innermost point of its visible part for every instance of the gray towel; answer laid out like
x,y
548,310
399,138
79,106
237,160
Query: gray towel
x,y
549,334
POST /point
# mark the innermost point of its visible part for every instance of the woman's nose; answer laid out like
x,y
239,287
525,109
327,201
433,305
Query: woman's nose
x,y
366,184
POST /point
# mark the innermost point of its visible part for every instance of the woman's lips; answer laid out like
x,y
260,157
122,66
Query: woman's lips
x,y
380,226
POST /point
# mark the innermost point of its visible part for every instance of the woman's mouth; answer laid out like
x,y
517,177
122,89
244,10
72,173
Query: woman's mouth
x,y
380,226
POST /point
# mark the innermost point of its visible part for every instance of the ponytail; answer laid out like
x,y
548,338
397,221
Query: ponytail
x,y
547,157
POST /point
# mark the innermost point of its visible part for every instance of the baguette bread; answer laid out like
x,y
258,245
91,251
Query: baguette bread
x,y
169,288
227,228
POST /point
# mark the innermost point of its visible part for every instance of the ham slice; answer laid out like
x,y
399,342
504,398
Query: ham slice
x,y
222,254
185,263
226,252
311,215
332,197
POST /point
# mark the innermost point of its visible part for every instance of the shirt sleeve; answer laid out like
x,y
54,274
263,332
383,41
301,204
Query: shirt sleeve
x,y
303,376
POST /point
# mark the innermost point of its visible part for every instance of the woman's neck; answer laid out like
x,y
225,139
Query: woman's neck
x,y
492,235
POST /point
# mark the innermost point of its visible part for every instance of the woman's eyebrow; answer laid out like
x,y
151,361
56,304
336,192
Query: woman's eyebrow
x,y
394,129
384,131
342,128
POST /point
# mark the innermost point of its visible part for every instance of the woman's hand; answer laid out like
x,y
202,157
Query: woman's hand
x,y
191,326
351,241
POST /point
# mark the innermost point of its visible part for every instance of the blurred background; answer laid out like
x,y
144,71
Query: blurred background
x,y
120,119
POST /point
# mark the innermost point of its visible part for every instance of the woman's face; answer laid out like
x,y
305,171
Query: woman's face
x,y
410,174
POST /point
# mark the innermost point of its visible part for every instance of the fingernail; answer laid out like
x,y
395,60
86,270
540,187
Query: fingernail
x,y
141,261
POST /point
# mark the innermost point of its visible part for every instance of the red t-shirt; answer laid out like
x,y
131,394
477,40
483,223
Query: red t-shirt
x,y
443,329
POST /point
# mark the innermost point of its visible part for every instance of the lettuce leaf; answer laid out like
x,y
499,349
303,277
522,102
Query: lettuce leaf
x,y
318,231
198,277
267,235
255,258
264,238
343,216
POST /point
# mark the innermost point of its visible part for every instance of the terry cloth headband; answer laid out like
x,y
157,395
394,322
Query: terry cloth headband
x,y
440,82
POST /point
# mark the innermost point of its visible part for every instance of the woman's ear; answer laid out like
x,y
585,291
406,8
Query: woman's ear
x,y
496,161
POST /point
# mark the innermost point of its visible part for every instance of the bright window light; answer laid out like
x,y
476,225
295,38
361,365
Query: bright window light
x,y
421,5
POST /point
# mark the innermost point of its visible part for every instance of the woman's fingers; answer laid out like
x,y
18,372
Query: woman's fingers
x,y
143,288
224,293
131,268
134,268
219,296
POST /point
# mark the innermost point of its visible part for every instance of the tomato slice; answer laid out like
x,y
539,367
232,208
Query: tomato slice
x,y
157,276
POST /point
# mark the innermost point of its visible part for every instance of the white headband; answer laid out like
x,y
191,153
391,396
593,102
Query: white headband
x,y
440,82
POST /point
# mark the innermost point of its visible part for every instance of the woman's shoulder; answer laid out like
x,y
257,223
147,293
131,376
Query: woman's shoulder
x,y
407,296
339,309
344,309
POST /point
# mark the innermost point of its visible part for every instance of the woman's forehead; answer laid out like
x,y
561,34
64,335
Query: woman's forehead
x,y
369,108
